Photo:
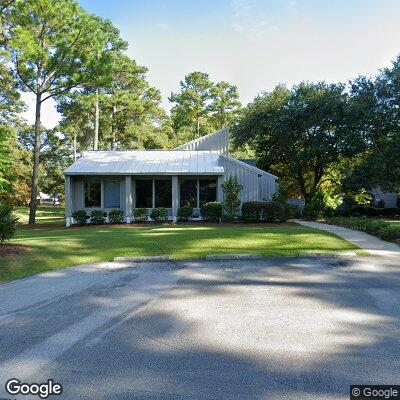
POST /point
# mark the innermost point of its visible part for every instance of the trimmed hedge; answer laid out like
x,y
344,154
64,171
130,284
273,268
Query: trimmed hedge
x,y
376,227
98,217
159,214
266,211
212,211
80,216
140,214
185,213
8,222
116,216
363,211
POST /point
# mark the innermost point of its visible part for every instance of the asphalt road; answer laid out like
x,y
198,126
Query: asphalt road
x,y
277,328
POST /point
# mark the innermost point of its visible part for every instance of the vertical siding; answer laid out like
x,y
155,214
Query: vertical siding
x,y
216,141
256,186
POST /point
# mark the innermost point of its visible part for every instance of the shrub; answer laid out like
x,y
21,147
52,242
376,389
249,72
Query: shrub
x,y
231,205
8,222
185,213
292,211
381,203
251,211
98,217
390,232
116,216
159,214
80,217
273,211
312,211
140,214
212,212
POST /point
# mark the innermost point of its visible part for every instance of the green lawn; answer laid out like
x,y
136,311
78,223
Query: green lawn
x,y
53,246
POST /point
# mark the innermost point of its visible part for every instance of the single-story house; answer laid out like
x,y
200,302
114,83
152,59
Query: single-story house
x,y
191,174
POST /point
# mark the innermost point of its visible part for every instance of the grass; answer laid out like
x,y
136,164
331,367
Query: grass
x,y
50,246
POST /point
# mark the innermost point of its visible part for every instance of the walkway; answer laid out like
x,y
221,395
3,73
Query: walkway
x,y
372,244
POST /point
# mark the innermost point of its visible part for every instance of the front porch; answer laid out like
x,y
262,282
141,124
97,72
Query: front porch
x,y
129,192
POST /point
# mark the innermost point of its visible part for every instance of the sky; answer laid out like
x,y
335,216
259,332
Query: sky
x,y
254,44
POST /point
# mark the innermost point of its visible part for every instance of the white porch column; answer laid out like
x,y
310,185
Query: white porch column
x,y
68,201
175,197
220,193
128,199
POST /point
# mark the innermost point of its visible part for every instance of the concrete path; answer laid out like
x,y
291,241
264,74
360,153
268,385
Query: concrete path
x,y
275,328
372,244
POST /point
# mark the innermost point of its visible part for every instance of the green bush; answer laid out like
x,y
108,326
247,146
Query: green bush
x,y
251,211
80,217
140,214
159,214
292,211
185,213
212,211
8,222
116,216
312,211
98,217
273,211
390,232
381,203
231,205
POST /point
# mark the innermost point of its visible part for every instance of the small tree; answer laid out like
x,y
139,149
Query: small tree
x,y
231,204
8,223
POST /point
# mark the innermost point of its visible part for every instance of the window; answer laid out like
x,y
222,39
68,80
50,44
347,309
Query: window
x,y
208,190
163,193
93,193
189,192
144,193
112,194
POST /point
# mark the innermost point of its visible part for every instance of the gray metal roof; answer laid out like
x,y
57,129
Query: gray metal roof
x,y
147,162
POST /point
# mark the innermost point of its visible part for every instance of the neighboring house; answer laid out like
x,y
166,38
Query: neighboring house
x,y
191,174
43,198
390,199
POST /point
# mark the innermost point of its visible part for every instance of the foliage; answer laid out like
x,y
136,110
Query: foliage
x,y
251,211
159,214
381,204
212,212
116,216
8,222
272,211
292,211
80,217
185,213
385,230
140,214
202,106
98,217
298,133
55,47
231,204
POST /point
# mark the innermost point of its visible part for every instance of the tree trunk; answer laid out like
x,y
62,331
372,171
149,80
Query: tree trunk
x,y
74,144
113,133
96,123
198,128
36,162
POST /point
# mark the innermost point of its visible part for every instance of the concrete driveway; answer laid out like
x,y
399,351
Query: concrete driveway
x,y
277,328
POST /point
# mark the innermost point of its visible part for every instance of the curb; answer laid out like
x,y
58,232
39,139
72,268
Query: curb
x,y
335,255
141,259
233,256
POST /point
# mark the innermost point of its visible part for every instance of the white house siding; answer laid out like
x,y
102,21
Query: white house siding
x,y
257,184
390,198
216,141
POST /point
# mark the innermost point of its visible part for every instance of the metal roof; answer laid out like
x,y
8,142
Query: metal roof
x,y
147,162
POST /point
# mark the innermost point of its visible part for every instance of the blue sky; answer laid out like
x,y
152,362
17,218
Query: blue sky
x,y
252,43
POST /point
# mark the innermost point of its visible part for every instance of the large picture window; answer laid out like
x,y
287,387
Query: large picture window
x,y
112,194
208,190
144,193
188,192
93,193
163,193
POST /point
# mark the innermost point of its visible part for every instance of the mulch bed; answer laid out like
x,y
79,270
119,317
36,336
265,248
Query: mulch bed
x,y
9,250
